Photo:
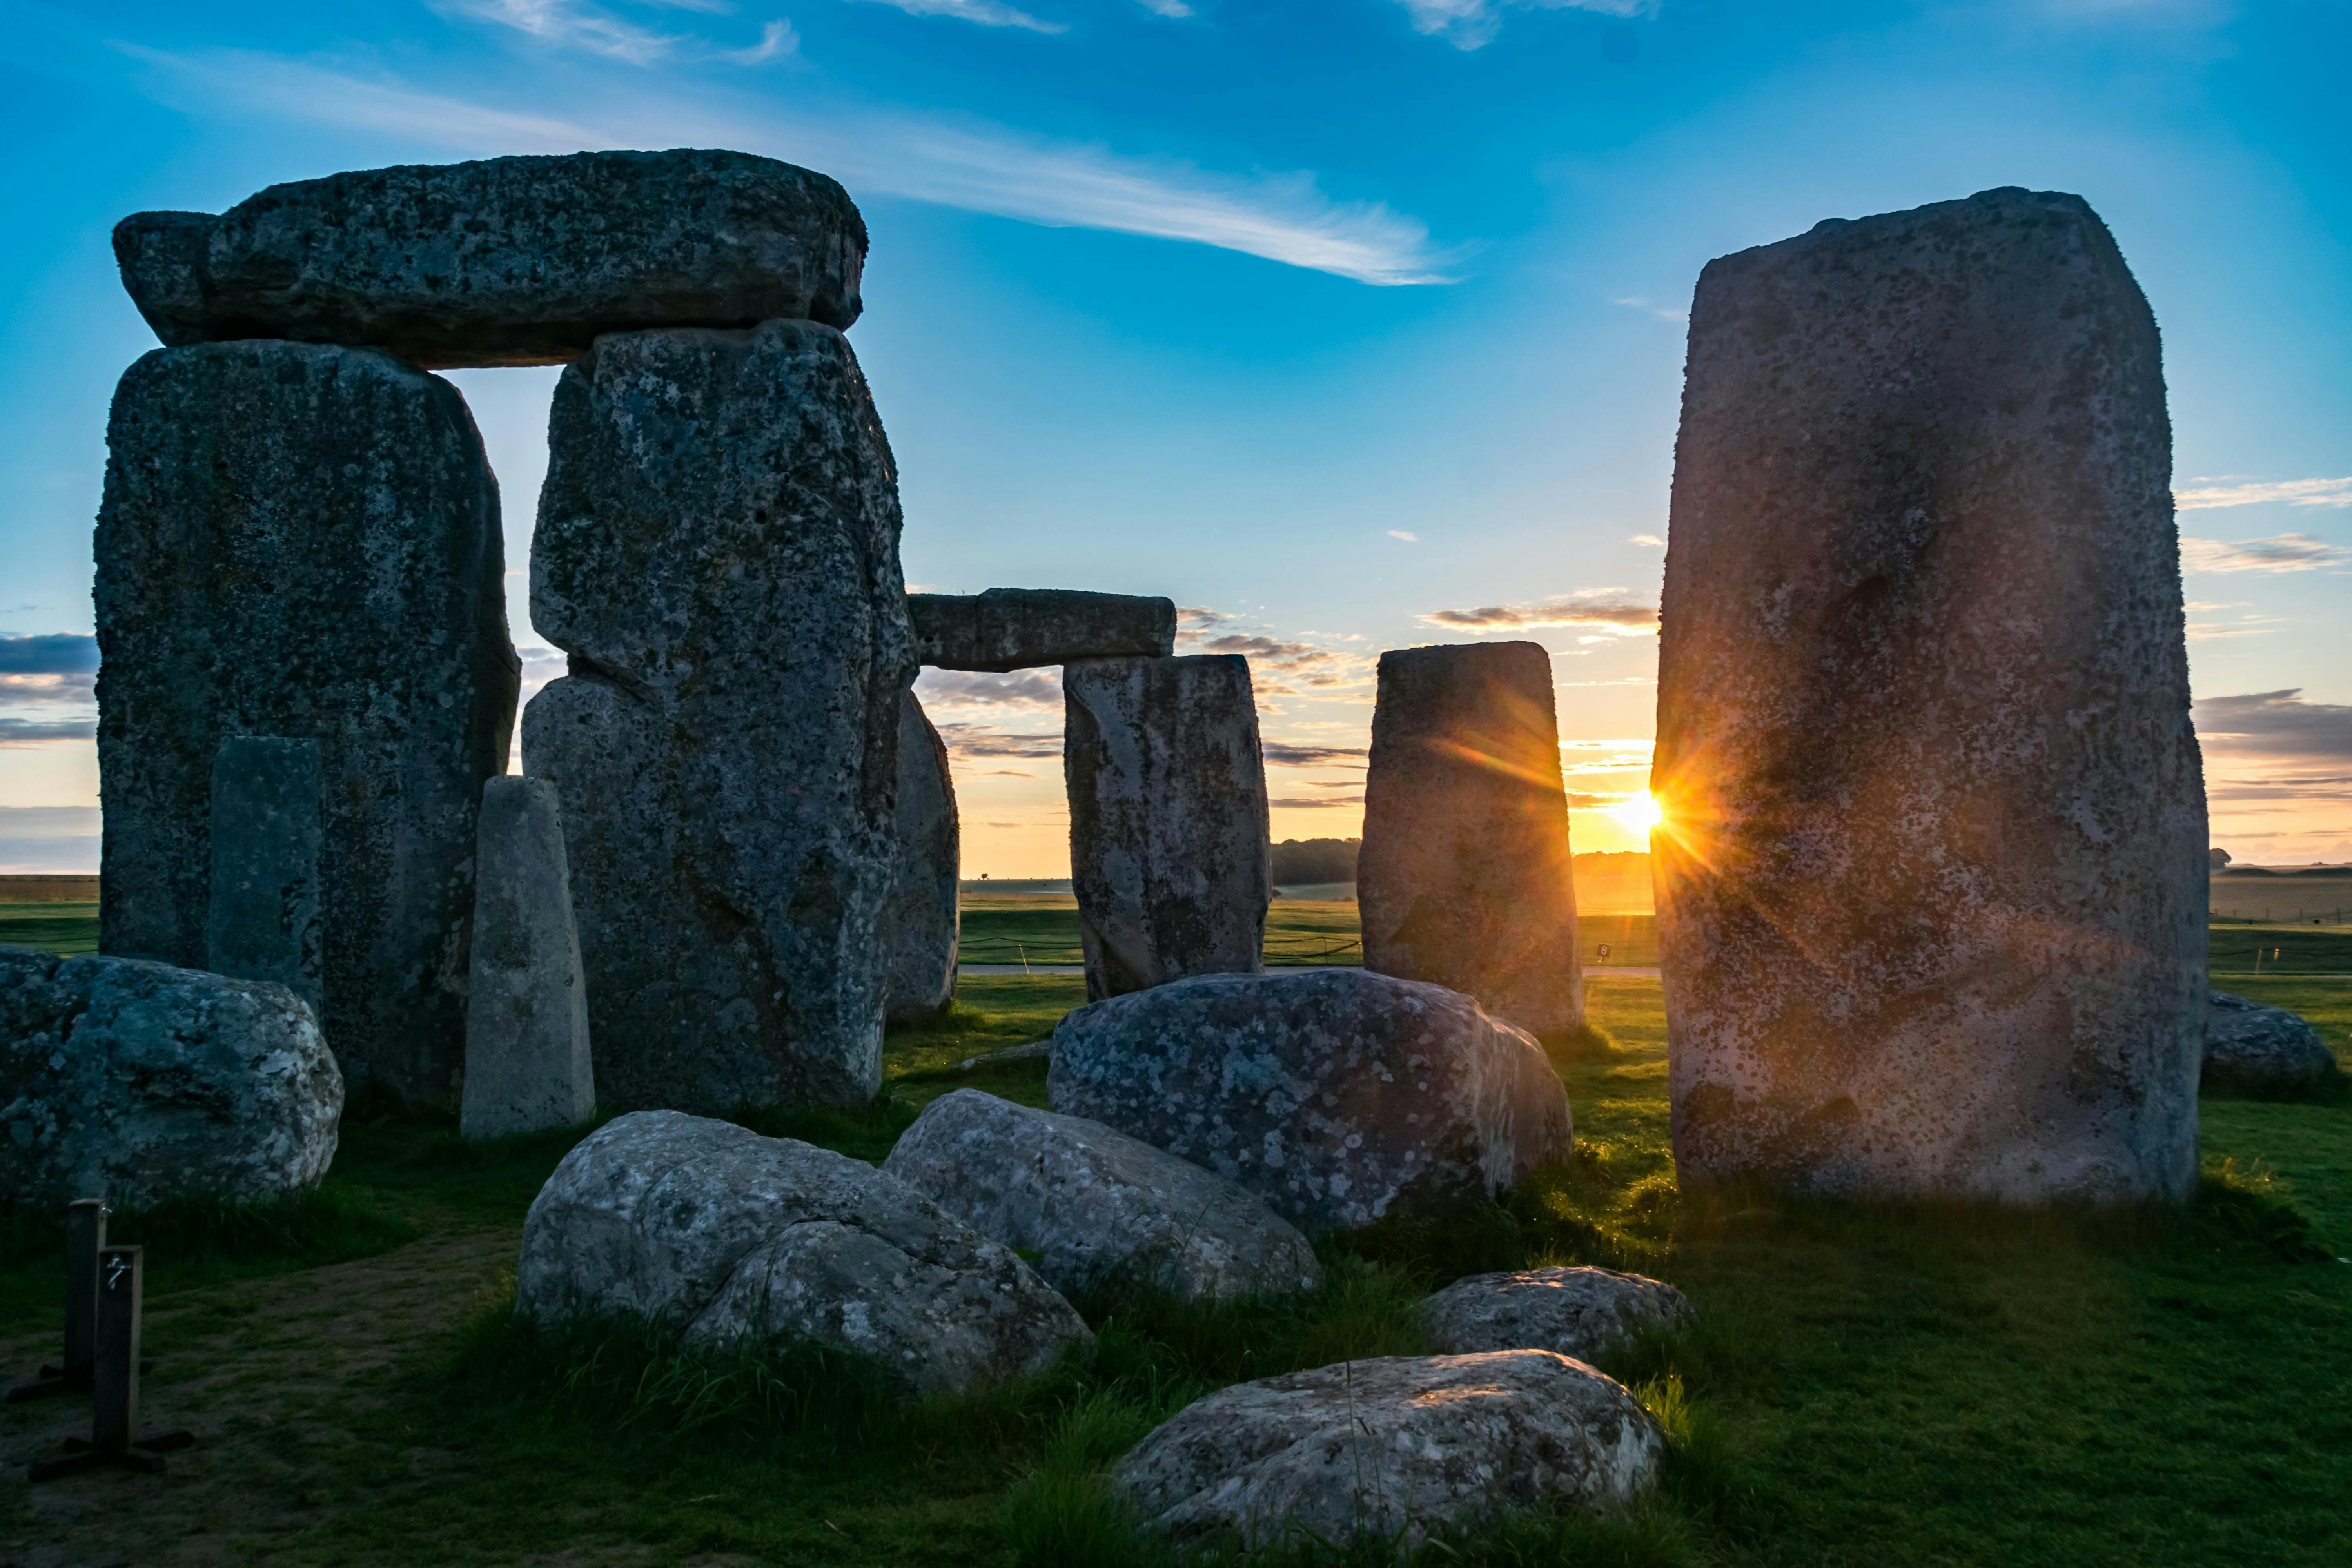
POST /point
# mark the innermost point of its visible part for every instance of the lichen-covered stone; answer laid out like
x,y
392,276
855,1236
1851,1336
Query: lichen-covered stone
x,y
1338,1096
522,260
1094,1208
1386,1449
527,1059
1933,884
924,917
1021,628
2249,1046
263,923
303,541
718,552
1466,879
1579,1313
136,1082
708,1228
1169,853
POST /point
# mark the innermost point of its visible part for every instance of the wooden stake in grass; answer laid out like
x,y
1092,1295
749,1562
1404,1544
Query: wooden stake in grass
x,y
85,1236
114,1440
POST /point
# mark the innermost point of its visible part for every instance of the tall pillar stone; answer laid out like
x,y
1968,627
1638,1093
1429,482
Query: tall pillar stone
x,y
302,540
718,552
1932,880
527,1057
923,919
1168,855
263,921
1466,879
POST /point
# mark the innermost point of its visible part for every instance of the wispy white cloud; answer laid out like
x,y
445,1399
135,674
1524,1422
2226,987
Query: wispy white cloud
x,y
987,12
1650,540
1626,620
1406,535
2280,552
1641,302
1284,219
570,23
1472,24
1171,8
776,40
2294,492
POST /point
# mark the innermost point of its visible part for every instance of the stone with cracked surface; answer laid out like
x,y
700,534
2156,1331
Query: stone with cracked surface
x,y
924,917
1169,852
303,541
136,1082
263,920
1094,1208
527,1059
1932,894
718,553
2249,1046
708,1229
1338,1096
1579,1313
1005,629
503,261
1388,1449
1466,879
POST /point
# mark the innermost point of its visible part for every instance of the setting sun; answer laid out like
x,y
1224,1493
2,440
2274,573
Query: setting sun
x,y
1639,812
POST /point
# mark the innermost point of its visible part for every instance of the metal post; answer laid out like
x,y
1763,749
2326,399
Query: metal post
x,y
84,1235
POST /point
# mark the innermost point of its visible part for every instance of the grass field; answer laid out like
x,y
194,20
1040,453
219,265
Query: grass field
x,y
1868,1386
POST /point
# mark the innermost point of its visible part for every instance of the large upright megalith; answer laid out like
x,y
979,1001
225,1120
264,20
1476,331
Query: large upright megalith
x,y
528,1065
303,540
1168,819
1933,875
1466,878
718,552
923,921
263,923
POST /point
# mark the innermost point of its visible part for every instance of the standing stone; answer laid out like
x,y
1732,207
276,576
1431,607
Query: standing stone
x,y
1006,629
718,551
264,919
1933,878
303,540
522,260
527,1063
1168,855
1466,879
923,918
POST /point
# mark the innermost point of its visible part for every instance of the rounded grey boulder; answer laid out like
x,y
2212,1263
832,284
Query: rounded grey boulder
x,y
2249,1046
135,1083
1096,1207
1389,1447
1338,1096
1579,1312
708,1228
503,261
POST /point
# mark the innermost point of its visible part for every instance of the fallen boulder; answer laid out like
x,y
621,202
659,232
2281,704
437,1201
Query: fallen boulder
x,y
522,260
1577,1313
136,1081
1390,1447
1337,1096
1093,1207
708,1228
2249,1046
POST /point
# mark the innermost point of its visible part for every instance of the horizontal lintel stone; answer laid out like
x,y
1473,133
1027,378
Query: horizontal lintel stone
x,y
1022,629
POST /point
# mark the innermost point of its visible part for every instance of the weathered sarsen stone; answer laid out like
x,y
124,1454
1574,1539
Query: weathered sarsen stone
x,y
527,1059
521,260
1168,855
303,541
263,923
1021,628
1466,878
1933,879
923,918
718,552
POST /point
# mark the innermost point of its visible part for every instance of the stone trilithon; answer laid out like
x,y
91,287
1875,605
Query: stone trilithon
x,y
1933,876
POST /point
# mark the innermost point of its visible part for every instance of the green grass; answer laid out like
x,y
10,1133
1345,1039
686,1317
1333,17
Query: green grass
x,y
2283,950
66,927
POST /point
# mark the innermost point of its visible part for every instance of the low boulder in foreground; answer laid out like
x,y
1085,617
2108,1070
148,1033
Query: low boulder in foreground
x,y
1095,1208
1389,1448
136,1081
1338,1096
2249,1046
706,1227
1577,1313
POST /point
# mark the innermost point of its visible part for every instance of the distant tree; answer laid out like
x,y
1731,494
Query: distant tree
x,y
2220,858
1302,860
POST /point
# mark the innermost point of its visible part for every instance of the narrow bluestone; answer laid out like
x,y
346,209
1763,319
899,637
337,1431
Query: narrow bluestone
x,y
1168,855
923,919
1466,878
303,541
527,1059
264,923
718,552
1933,873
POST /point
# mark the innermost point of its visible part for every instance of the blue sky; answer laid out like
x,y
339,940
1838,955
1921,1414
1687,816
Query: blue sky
x,y
1328,320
